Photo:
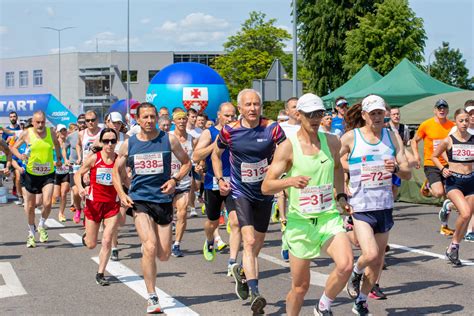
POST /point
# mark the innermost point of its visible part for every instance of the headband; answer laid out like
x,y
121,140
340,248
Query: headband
x,y
178,115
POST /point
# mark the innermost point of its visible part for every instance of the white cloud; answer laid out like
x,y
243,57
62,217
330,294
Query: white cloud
x,y
108,41
145,21
3,29
196,29
50,11
67,49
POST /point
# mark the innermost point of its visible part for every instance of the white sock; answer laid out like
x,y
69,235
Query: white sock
x,y
361,297
357,270
31,229
325,302
176,243
444,224
218,239
41,222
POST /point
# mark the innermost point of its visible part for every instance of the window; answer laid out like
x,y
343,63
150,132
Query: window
x,y
133,76
9,79
97,86
37,78
24,78
151,74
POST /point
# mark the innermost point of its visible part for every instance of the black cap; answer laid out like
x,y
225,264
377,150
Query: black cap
x,y
441,103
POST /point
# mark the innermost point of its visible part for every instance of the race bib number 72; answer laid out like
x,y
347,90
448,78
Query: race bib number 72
x,y
375,176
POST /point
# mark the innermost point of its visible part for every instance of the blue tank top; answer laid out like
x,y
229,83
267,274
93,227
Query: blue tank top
x,y
150,162
210,183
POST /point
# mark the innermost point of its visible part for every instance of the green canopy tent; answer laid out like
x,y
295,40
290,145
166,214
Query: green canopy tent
x,y
403,84
364,78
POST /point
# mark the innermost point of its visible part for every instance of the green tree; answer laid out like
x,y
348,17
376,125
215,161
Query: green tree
x,y
322,27
250,53
384,38
450,67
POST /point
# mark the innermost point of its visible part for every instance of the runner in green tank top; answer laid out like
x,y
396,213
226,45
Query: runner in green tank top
x,y
314,170
39,175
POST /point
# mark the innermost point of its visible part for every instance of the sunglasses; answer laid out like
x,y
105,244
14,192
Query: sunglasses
x,y
314,114
91,120
112,141
81,122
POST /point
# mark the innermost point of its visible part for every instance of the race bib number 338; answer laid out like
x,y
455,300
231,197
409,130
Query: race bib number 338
x,y
253,172
150,163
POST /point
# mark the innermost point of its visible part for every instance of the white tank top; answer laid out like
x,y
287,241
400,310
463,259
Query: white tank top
x,y
370,184
120,142
87,142
185,183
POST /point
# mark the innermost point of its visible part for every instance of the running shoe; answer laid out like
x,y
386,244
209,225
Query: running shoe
x,y
72,208
193,213
361,309
283,225
77,217
203,209
453,257
30,242
20,201
221,245
176,251
241,286
376,293
62,218
229,270
469,237
209,252
446,231
101,280
153,306
444,211
114,254
221,220
318,312
353,286
285,255
257,304
425,189
43,234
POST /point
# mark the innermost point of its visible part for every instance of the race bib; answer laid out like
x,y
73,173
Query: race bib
x,y
375,176
104,176
215,183
463,152
75,168
175,166
150,163
316,199
41,168
436,143
253,172
62,170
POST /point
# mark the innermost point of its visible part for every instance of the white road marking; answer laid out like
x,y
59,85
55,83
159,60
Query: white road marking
x,y
12,286
128,277
53,223
427,253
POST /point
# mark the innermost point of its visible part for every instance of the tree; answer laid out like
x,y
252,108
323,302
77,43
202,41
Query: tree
x,y
450,67
250,53
384,38
322,27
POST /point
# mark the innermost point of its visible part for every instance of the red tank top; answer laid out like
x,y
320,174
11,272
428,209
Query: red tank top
x,y
101,187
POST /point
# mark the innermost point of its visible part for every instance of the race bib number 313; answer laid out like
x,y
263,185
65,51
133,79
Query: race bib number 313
x,y
253,172
375,176
316,199
150,163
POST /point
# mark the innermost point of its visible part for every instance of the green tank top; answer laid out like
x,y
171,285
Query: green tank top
x,y
40,161
317,198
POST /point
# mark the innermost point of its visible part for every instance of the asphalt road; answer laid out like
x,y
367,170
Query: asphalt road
x,y
58,277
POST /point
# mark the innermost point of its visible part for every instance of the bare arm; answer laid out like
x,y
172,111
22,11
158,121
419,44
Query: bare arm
x,y
57,147
414,147
440,151
79,147
120,166
85,168
20,141
204,147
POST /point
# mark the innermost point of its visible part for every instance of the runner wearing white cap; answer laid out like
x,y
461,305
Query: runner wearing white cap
x,y
61,178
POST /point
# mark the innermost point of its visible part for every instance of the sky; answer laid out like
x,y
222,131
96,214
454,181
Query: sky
x,y
185,25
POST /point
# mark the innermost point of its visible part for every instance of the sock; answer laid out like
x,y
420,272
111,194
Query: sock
x,y
361,297
210,245
444,224
41,222
357,270
453,246
31,229
176,243
231,261
150,295
253,285
218,239
325,302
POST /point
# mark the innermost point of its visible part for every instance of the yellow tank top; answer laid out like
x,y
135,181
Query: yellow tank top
x,y
40,161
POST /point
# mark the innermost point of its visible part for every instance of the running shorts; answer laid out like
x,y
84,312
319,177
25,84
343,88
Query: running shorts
x,y
162,213
214,200
254,213
461,182
396,181
60,178
35,184
433,174
380,221
97,211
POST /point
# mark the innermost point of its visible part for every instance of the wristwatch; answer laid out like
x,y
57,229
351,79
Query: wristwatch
x,y
175,180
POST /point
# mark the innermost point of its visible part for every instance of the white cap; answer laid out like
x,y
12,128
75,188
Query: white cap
x,y
470,108
59,127
115,117
373,102
341,102
309,103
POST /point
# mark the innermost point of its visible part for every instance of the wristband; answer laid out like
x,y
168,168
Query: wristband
x,y
175,180
397,169
444,167
340,196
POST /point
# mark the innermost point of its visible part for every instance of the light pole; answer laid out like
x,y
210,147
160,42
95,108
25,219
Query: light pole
x,y
295,52
59,52
429,61
128,58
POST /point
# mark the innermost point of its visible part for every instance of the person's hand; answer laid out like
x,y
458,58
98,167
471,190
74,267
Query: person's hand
x,y
417,162
446,172
78,161
169,187
23,157
6,171
82,192
126,201
346,207
224,187
299,182
390,165
58,163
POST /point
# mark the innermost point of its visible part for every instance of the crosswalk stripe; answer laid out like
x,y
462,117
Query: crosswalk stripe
x,y
12,286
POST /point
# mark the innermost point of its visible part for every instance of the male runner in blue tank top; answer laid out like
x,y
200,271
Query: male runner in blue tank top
x,y
251,141
213,198
148,154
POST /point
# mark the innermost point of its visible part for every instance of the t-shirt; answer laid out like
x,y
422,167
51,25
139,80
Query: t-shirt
x,y
195,132
70,144
290,129
432,134
338,123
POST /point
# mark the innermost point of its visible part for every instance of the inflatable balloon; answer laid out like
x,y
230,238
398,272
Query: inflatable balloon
x,y
188,85
121,106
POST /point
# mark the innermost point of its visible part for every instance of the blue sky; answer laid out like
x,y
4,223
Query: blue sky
x,y
184,25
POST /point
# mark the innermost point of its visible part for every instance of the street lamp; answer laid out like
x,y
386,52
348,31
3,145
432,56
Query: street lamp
x,y
295,51
59,52
429,63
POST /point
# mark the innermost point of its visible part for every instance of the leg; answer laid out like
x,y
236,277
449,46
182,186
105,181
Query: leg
x,y
181,201
47,196
92,231
164,242
300,277
146,229
465,212
30,203
235,236
437,189
111,225
64,192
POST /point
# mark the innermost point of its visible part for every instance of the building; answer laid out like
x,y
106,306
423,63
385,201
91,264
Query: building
x,y
89,80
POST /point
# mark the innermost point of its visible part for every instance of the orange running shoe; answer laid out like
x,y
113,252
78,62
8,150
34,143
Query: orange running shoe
x,y
446,231
425,189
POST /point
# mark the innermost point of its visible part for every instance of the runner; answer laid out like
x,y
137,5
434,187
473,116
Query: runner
x,y
148,154
459,175
326,125
338,120
213,198
251,142
102,204
374,155
61,178
164,124
432,132
182,194
39,175
312,163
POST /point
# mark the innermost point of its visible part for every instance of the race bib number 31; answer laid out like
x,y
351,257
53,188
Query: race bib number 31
x,y
316,199
253,172
463,152
104,176
146,164
375,176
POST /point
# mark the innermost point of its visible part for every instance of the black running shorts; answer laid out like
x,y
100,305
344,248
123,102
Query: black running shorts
x,y
214,200
162,213
35,184
254,213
